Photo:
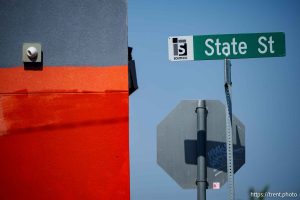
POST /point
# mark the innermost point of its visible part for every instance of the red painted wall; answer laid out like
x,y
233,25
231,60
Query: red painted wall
x,y
64,133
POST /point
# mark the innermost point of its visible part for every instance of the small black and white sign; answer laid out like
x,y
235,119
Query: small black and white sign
x,y
181,48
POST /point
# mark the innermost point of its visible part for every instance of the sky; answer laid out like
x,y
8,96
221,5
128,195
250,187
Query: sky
x,y
265,91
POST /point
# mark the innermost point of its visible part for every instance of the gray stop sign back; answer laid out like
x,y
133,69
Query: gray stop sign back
x,y
177,143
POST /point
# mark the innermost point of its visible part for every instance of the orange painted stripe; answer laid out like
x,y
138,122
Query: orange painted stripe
x,y
61,79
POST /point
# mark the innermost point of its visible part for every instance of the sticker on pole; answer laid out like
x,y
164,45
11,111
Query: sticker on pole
x,y
216,185
181,48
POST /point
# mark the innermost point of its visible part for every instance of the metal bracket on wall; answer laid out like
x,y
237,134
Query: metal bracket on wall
x,y
32,56
132,78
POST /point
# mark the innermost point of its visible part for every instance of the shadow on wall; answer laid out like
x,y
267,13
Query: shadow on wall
x,y
71,125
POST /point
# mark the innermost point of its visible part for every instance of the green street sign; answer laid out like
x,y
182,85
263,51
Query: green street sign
x,y
232,46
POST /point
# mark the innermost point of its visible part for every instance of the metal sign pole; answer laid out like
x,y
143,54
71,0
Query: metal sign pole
x,y
201,150
229,145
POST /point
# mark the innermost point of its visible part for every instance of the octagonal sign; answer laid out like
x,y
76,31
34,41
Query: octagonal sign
x,y
177,144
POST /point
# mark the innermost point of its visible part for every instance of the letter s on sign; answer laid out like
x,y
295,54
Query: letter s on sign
x,y
182,49
209,46
265,48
